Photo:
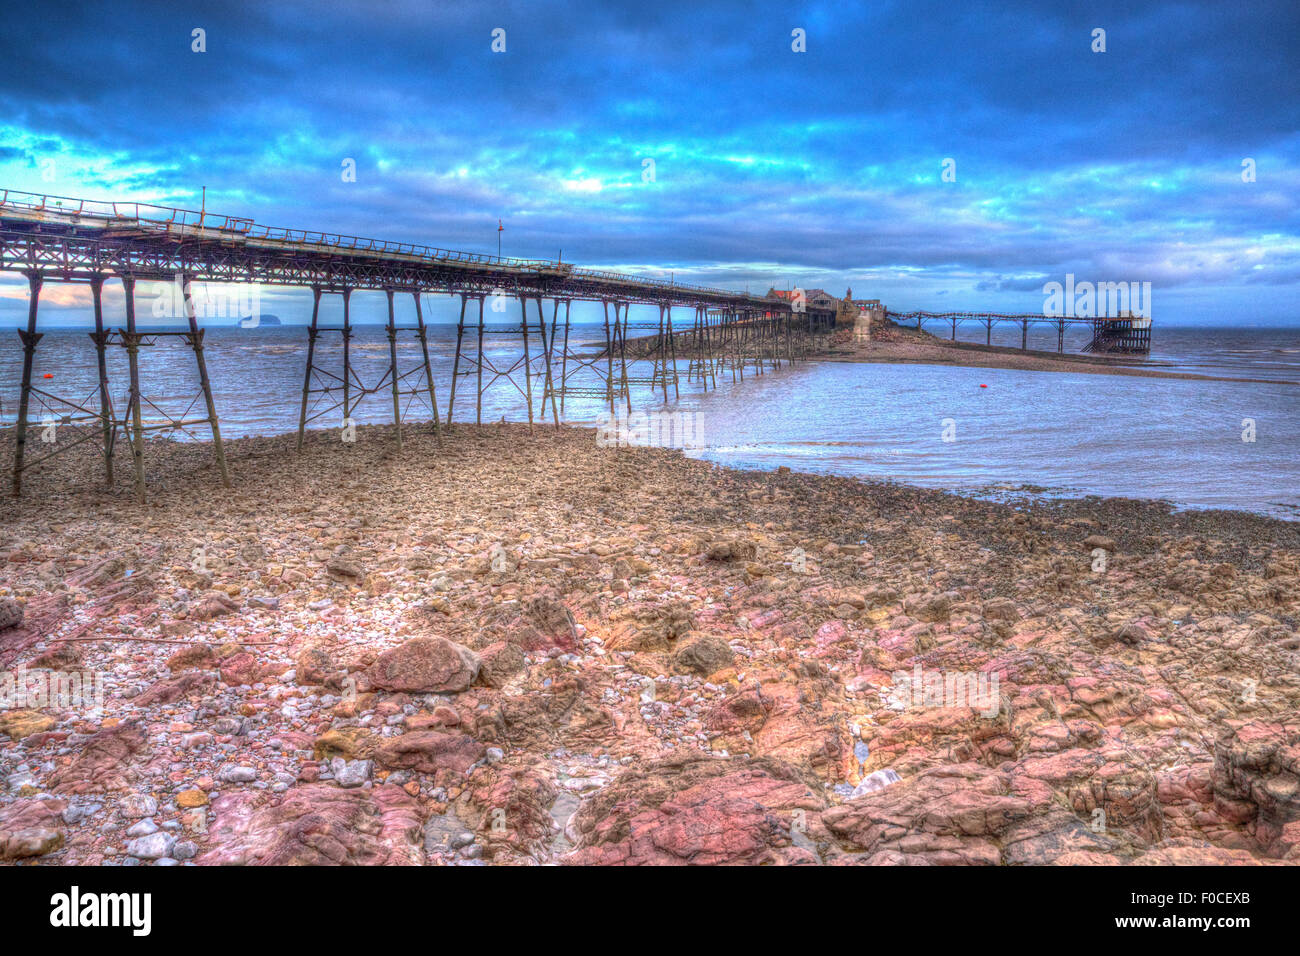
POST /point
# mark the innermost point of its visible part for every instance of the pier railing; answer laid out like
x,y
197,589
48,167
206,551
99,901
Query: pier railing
x,y
191,223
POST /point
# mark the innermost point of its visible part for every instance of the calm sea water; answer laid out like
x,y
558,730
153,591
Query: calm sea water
x,y
1025,432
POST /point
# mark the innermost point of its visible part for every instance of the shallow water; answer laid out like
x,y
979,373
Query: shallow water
x,y
1051,433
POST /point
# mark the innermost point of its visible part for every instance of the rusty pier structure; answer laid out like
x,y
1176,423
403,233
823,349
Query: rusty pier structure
x,y
1124,334
50,239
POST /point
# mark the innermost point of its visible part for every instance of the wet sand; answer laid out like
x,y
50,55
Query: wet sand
x,y
899,346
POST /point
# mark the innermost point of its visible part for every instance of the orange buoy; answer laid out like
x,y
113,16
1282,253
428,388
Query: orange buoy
x,y
983,386
49,375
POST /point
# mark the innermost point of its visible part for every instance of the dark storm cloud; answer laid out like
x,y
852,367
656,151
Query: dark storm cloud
x,y
768,163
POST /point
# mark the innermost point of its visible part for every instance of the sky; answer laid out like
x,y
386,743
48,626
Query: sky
x,y
767,165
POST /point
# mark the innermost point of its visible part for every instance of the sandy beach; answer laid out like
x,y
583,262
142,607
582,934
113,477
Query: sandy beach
x,y
519,648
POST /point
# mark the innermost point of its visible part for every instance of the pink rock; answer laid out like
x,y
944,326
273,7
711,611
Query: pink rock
x,y
427,665
315,825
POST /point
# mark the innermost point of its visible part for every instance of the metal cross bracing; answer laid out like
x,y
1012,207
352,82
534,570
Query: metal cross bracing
x,y
533,362
1124,333
343,391
132,421
52,239
596,372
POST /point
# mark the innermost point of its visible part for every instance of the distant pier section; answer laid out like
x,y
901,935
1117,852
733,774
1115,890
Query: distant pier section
x,y
1123,334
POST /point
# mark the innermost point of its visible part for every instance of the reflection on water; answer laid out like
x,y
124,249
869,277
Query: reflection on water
x,y
1064,433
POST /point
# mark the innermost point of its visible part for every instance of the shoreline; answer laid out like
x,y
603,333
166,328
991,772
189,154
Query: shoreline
x,y
183,461
507,648
909,348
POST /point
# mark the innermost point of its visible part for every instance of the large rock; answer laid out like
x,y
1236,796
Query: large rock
x,y
545,624
106,761
509,807
737,549
781,722
11,613
1256,782
172,688
500,662
428,751
20,724
212,605
933,608
31,827
699,811
241,668
967,814
704,656
425,665
193,657
316,825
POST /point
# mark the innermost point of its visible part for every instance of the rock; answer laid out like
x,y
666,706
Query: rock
x,y
740,549
1099,541
137,805
173,688
213,605
499,662
344,566
932,608
1000,609
1256,782
229,726
966,814
63,656
315,825
34,841
510,808
152,847
704,656
142,828
195,656
545,624
697,811
350,773
427,665
11,613
1131,634
315,666
20,724
230,773
106,761
240,669
878,780
428,751
346,742
31,827
189,799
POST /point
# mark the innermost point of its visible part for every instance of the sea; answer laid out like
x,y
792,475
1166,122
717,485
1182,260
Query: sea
x,y
984,432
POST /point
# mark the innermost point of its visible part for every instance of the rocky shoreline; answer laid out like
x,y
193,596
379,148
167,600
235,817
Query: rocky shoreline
x,y
517,648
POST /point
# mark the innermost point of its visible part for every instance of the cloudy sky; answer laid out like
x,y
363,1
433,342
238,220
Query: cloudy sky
x,y
770,166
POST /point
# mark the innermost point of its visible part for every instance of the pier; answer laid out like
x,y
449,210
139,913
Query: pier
x,y
1122,334
53,239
